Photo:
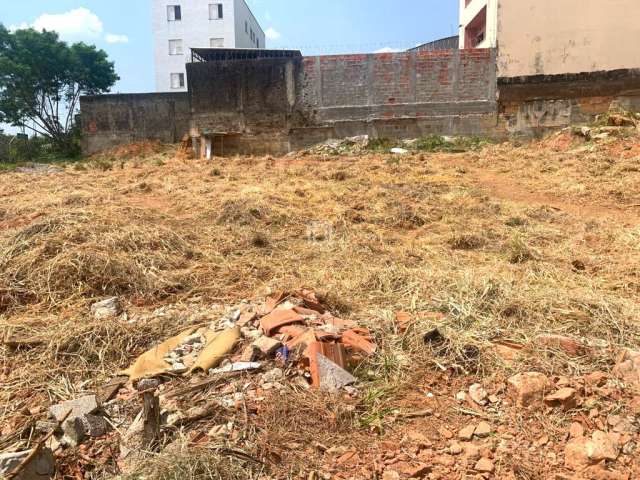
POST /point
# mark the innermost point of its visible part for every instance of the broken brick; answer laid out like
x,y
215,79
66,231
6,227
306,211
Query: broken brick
x,y
566,397
273,301
403,321
334,352
279,318
304,340
310,299
250,353
306,312
246,318
354,340
293,331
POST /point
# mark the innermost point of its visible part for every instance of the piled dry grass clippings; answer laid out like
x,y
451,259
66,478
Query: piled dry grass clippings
x,y
197,464
91,254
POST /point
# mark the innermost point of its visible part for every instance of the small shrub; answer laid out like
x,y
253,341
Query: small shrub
x,y
259,240
339,176
437,143
381,145
515,222
518,251
431,143
466,242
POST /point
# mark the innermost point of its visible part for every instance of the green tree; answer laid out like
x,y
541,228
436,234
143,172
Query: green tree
x,y
42,79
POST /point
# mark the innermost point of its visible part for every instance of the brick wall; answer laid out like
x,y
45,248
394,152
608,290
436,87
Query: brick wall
x,y
111,120
276,104
398,85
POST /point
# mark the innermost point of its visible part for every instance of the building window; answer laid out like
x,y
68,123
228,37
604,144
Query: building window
x,y
475,32
177,80
246,27
174,13
175,47
215,11
217,43
257,43
252,36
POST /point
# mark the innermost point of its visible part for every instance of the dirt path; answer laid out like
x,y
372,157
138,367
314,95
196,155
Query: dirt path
x,y
505,187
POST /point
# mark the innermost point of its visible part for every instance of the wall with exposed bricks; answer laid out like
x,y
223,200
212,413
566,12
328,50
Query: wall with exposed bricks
x,y
348,88
294,102
278,105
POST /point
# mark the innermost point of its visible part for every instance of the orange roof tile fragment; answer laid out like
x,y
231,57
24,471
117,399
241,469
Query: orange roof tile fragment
x,y
354,340
279,318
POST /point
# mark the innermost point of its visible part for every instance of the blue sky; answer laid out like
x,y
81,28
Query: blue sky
x,y
123,27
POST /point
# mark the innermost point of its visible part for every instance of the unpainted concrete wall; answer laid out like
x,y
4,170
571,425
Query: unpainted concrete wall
x,y
111,120
567,36
534,105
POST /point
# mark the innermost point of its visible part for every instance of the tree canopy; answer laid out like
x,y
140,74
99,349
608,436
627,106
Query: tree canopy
x,y
42,79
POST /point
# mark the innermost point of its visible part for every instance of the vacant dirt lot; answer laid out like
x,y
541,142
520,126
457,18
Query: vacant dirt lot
x,y
497,248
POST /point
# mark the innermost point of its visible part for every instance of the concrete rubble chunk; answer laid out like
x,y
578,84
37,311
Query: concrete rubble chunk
x,y
529,389
109,308
332,376
273,375
79,406
40,467
80,423
82,427
478,394
267,345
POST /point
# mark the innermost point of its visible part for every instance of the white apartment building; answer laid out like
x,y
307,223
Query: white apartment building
x,y
180,25
478,23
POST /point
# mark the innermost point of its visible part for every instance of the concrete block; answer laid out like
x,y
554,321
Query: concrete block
x,y
41,466
79,406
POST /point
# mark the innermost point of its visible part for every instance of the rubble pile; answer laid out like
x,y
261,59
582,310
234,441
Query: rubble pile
x,y
350,145
287,341
207,384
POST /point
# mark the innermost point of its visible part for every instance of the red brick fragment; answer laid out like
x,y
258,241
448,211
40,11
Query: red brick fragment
x,y
403,320
356,341
310,299
306,311
333,351
273,301
293,331
277,319
302,340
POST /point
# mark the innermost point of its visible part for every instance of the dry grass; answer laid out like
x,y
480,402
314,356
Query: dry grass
x,y
487,239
